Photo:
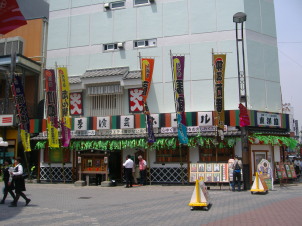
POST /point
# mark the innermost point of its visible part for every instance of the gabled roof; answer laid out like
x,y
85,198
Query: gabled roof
x,y
74,79
105,72
133,75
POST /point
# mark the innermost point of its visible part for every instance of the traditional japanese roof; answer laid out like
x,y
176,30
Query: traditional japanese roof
x,y
105,72
133,75
74,79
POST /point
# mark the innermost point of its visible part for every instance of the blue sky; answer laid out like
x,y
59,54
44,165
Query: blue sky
x,y
288,15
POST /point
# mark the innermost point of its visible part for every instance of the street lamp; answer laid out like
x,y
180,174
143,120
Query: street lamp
x,y
239,19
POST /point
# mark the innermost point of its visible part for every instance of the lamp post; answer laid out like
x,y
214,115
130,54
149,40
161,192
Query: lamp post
x,y
239,19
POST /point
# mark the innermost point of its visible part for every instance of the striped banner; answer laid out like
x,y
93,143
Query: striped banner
x,y
178,66
219,61
65,106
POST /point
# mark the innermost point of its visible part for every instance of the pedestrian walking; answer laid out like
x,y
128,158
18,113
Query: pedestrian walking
x,y
19,183
128,165
142,170
7,179
237,166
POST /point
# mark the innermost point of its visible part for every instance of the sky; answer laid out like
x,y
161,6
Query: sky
x,y
288,15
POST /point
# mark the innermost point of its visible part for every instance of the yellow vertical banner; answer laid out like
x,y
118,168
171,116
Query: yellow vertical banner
x,y
25,138
53,134
219,61
65,106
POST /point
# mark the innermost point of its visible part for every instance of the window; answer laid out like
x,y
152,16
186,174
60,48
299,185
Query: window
x,y
103,105
116,5
110,47
141,2
10,45
209,154
172,155
145,43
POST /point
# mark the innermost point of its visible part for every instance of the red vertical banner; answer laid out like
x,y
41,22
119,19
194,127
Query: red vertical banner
x,y
51,107
219,61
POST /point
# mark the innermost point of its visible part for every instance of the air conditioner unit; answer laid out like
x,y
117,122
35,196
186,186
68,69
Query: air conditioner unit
x,y
107,5
120,45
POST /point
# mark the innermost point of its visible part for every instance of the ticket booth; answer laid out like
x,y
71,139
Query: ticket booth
x,y
93,167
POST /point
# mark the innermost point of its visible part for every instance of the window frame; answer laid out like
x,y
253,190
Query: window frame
x,y
141,4
119,7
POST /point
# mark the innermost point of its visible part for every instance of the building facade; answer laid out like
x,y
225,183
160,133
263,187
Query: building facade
x,y
101,42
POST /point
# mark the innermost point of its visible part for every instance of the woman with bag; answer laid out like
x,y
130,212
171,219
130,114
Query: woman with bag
x,y
19,183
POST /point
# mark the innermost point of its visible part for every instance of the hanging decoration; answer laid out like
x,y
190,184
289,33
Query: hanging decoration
x,y
20,102
147,65
273,140
178,66
219,61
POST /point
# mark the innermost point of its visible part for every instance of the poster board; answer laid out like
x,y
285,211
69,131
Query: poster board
x,y
209,172
288,171
265,173
293,172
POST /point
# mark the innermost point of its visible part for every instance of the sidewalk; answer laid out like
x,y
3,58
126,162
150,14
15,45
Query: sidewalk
x,y
65,204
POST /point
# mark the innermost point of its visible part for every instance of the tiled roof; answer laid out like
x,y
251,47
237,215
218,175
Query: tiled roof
x,y
74,79
105,72
133,74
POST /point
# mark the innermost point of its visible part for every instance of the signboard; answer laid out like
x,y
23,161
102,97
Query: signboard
x,y
136,104
6,120
268,119
265,171
76,104
209,172
280,169
103,123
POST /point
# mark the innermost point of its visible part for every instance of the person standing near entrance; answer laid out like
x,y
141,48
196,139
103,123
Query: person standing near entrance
x,y
128,164
237,166
142,170
8,186
19,183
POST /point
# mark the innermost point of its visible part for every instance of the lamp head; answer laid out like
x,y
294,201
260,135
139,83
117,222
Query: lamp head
x,y
239,17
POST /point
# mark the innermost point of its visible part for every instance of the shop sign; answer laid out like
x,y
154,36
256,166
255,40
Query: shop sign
x,y
268,119
155,120
83,133
121,131
103,123
205,118
6,120
127,122
80,124
190,129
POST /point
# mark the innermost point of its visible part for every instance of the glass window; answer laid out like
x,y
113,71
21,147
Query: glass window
x,y
115,5
141,2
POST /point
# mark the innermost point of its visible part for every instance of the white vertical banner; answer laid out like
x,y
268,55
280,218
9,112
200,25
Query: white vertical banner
x,y
80,124
103,122
127,122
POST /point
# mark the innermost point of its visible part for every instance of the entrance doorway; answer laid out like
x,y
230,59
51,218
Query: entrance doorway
x,y
115,165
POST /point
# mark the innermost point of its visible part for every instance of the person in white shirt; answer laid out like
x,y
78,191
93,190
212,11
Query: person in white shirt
x,y
19,183
128,165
